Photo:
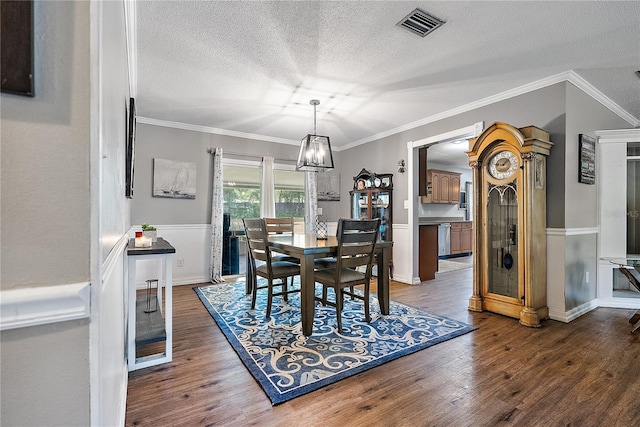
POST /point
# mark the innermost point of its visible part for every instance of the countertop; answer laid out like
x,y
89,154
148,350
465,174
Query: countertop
x,y
432,220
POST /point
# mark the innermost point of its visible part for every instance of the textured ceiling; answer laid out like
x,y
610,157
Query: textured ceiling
x,y
252,67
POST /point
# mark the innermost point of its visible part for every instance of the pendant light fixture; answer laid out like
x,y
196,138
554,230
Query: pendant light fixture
x,y
315,150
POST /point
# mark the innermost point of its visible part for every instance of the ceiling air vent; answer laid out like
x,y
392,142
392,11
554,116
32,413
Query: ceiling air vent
x,y
420,22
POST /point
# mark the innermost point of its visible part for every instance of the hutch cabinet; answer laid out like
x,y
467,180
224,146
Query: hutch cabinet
x,y
371,198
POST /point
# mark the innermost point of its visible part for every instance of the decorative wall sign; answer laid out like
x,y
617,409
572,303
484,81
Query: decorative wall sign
x,y
329,187
174,179
16,34
587,159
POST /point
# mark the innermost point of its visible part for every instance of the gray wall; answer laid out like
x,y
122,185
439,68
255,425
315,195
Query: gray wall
x,y
544,108
189,146
584,115
45,215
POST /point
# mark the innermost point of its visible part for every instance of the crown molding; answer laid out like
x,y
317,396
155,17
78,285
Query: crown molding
x,y
567,76
215,131
591,90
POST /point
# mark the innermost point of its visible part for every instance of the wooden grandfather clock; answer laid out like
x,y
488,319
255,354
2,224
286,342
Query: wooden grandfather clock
x,y
509,182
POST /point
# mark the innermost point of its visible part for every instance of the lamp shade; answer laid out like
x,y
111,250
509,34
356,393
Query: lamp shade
x,y
315,154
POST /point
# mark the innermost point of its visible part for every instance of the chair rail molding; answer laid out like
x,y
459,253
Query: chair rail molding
x,y
20,308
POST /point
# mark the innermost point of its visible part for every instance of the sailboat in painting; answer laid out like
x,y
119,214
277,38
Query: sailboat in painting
x,y
174,179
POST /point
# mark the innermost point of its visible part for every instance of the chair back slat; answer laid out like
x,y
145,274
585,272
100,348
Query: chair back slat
x,y
279,225
255,232
356,242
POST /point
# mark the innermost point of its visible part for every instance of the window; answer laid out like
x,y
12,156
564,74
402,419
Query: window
x,y
289,187
241,192
241,182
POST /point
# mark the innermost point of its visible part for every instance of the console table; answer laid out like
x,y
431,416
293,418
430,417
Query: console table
x,y
147,328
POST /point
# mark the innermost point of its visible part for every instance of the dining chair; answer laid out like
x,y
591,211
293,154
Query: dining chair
x,y
270,268
281,226
356,242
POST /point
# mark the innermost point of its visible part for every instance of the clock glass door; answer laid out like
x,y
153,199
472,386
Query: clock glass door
x,y
502,236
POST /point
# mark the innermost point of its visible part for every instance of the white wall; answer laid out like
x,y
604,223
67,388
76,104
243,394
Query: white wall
x,y
110,220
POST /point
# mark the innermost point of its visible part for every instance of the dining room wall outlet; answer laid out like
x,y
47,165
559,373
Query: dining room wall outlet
x,y
180,262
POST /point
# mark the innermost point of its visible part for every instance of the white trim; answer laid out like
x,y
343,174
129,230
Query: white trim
x,y
412,184
617,302
21,308
574,313
454,135
114,257
216,131
589,89
618,136
572,231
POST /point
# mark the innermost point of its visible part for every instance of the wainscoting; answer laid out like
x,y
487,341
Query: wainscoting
x,y
191,260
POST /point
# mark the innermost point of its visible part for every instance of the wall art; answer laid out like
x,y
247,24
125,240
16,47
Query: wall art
x,y
174,179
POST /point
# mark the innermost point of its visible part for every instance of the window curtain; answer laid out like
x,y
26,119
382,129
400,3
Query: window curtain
x,y
268,192
215,269
310,201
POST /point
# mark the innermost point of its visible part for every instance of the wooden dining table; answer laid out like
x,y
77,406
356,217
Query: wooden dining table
x,y
307,248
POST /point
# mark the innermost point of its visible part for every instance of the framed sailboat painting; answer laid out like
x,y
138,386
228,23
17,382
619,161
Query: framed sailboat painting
x,y
174,179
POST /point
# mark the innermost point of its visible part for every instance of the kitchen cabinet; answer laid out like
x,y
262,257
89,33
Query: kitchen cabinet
x,y
428,252
461,237
442,187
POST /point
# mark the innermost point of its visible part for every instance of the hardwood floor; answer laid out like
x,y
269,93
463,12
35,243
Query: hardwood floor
x,y
585,373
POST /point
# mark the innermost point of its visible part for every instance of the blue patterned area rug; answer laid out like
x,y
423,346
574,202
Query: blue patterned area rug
x,y
287,364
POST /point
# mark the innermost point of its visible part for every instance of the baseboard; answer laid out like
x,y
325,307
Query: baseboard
x,y
573,314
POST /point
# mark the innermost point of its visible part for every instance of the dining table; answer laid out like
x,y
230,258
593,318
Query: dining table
x,y
307,248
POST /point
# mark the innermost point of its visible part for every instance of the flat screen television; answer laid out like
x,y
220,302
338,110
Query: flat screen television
x,y
130,149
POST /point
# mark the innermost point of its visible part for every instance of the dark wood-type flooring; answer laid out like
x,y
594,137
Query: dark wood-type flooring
x,y
585,373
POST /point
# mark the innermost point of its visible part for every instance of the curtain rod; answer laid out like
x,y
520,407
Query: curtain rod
x,y
255,156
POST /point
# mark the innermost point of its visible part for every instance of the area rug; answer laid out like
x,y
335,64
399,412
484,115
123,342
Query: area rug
x,y
287,364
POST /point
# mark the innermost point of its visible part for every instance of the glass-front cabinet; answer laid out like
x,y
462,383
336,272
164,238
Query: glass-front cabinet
x,y
372,204
371,198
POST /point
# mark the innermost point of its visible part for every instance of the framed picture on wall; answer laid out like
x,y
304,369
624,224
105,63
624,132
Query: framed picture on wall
x,y
587,159
174,179
328,187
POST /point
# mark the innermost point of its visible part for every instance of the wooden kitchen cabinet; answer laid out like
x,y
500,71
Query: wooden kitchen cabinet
x,y
461,237
442,187
428,252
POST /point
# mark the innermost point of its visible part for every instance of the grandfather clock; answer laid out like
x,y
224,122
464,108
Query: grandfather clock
x,y
509,181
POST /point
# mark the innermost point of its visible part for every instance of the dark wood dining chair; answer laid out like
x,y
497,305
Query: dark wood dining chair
x,y
356,242
269,268
283,226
